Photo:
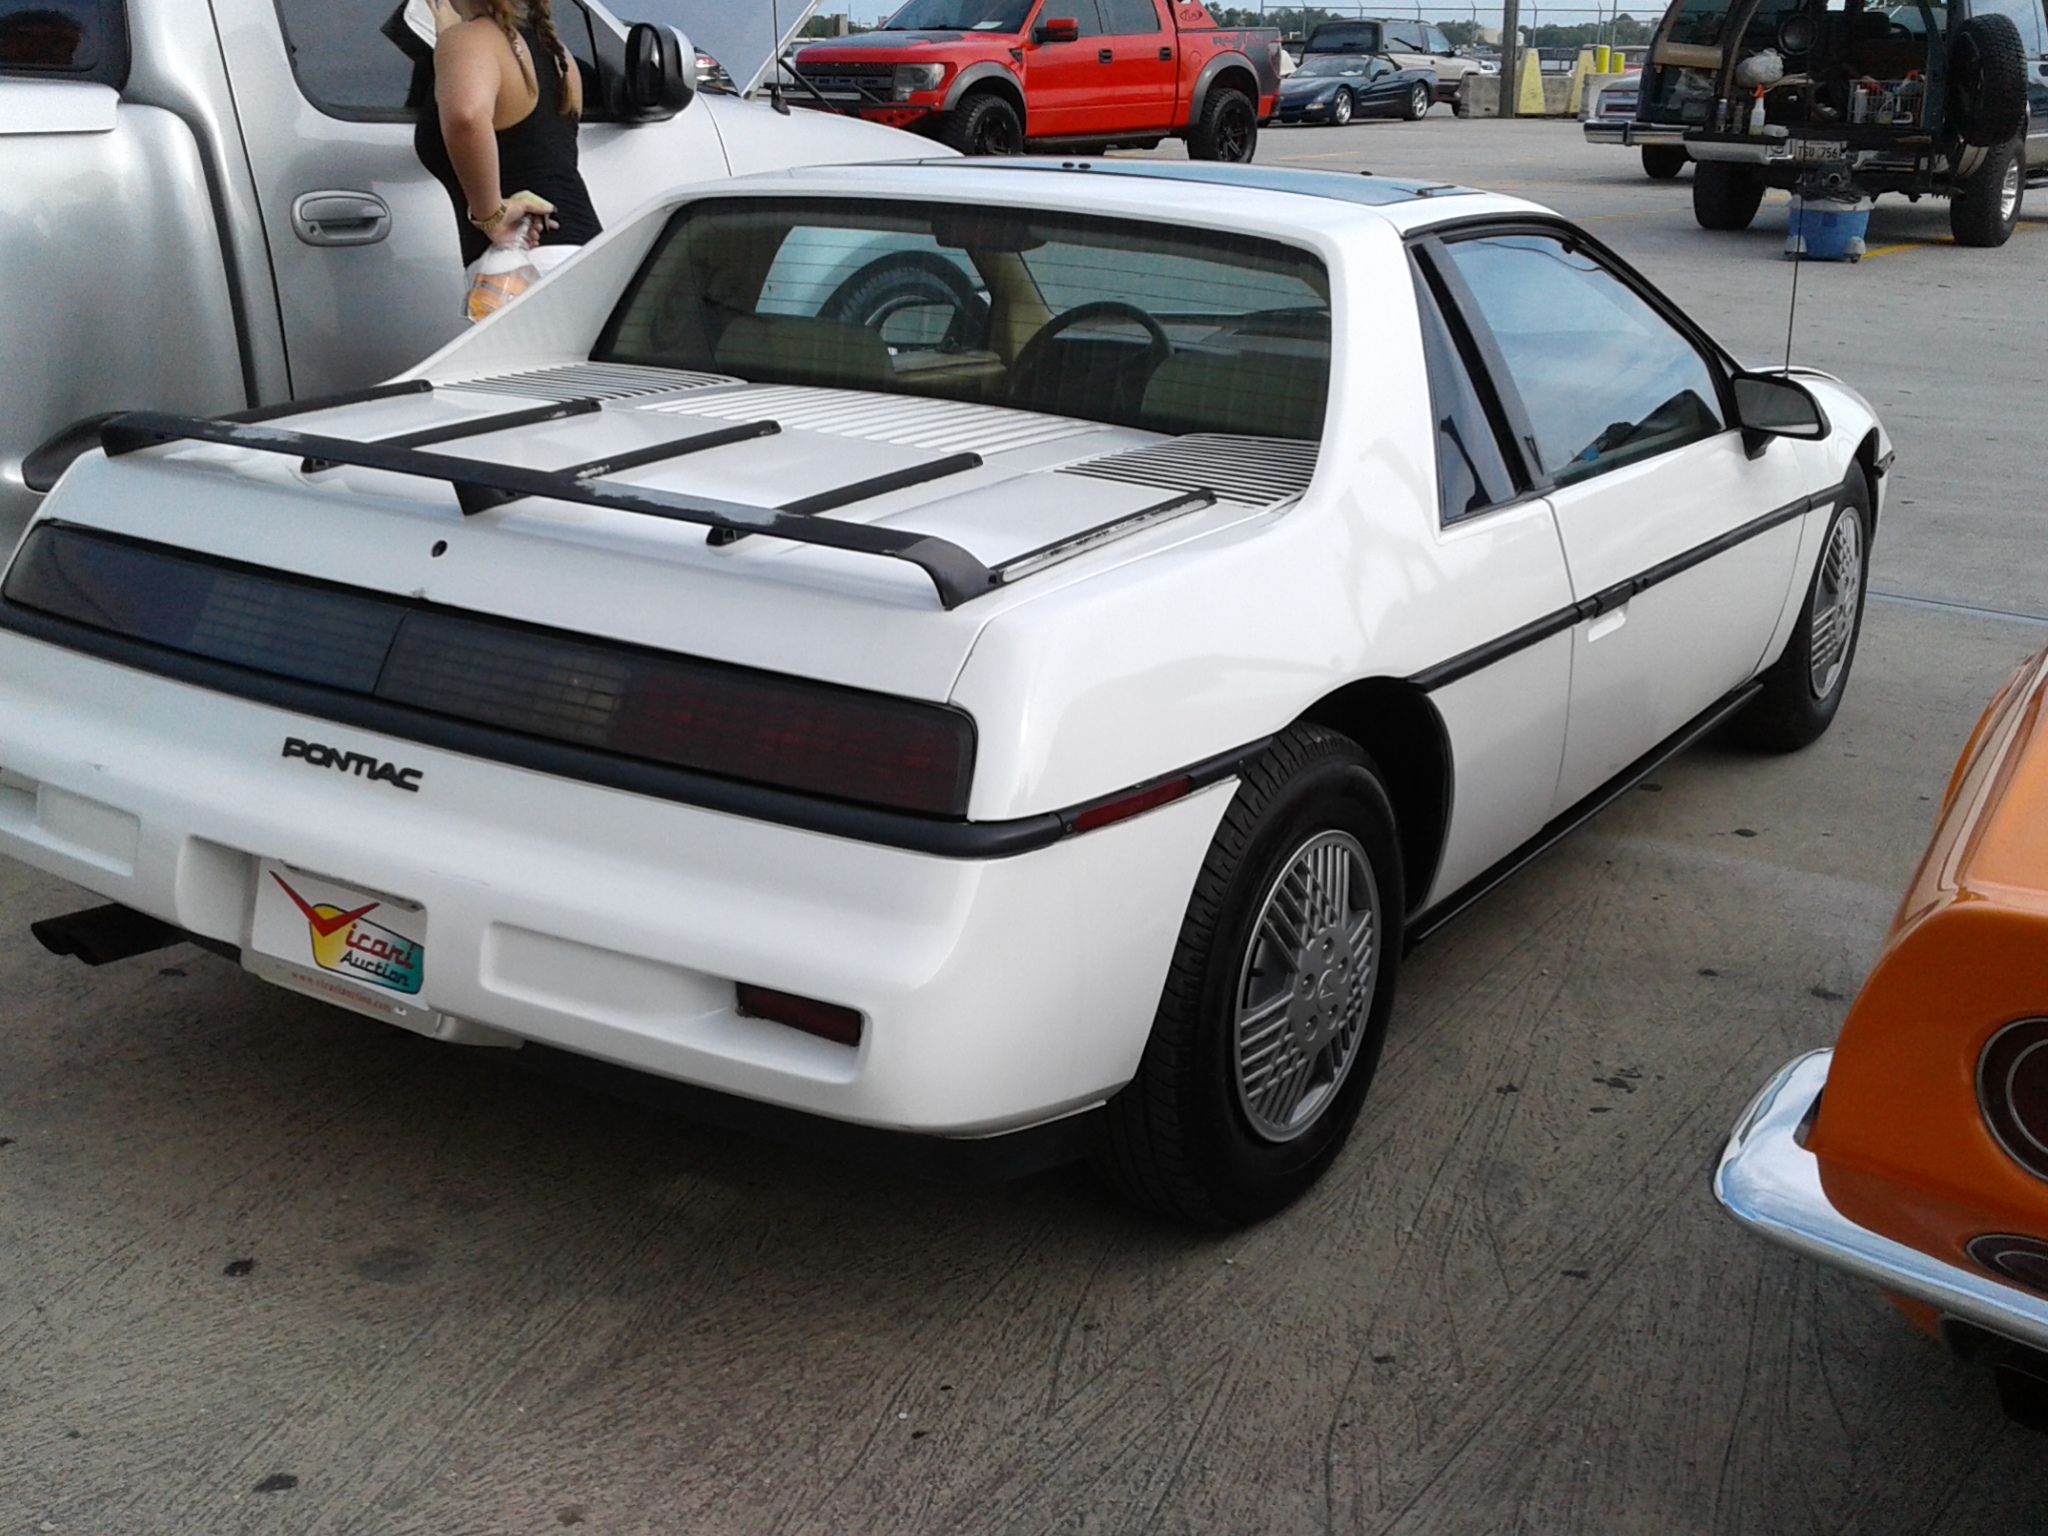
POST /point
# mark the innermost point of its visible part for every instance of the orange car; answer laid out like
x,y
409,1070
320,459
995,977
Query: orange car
x,y
1916,1152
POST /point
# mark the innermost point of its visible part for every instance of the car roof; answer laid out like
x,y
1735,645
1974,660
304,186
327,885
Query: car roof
x,y
1272,195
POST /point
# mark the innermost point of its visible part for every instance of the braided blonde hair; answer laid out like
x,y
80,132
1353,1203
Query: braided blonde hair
x,y
508,14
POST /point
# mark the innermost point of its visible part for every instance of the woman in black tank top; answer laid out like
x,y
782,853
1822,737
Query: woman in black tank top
x,y
492,56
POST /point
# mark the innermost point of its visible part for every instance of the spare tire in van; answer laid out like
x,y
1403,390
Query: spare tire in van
x,y
1987,81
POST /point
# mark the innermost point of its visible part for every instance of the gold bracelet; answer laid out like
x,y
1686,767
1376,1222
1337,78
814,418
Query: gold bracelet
x,y
496,214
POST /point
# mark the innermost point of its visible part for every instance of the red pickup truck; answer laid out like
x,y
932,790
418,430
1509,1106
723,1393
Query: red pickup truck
x,y
995,77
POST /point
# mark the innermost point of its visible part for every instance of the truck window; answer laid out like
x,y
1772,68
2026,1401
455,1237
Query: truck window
x,y
1407,37
71,39
1130,18
1700,23
344,63
1345,37
1438,43
1150,326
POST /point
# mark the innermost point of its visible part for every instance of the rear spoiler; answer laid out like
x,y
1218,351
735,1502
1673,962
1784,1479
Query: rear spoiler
x,y
955,575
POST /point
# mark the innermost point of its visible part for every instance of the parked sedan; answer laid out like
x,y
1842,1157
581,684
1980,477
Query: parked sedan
x,y
1027,697
1332,89
1915,1153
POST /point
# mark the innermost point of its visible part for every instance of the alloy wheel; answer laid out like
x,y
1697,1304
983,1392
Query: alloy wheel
x,y
2009,190
1421,100
1837,597
1305,989
1340,109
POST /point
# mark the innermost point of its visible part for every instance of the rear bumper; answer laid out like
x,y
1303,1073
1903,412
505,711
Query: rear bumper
x,y
1771,1184
996,993
1627,134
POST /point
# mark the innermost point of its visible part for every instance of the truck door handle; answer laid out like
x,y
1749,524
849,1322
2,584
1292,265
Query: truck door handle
x,y
1167,55
1104,56
340,218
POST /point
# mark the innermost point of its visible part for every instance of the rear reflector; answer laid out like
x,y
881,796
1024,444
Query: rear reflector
x,y
828,1021
649,706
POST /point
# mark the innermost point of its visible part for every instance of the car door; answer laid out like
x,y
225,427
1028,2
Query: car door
x,y
1681,545
1138,69
362,240
1382,89
1503,702
1063,80
2027,16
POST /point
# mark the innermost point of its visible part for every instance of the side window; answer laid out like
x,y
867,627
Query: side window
x,y
1471,475
1438,43
2026,15
1084,13
1406,37
68,39
1379,69
1130,18
347,63
1605,379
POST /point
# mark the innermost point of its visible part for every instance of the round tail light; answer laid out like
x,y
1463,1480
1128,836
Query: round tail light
x,y
2022,1260
2012,1089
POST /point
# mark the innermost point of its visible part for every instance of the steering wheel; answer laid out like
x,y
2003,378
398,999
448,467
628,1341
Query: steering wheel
x,y
1131,377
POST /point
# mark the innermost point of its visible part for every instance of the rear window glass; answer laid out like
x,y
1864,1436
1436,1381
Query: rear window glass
x,y
70,38
1346,37
1143,325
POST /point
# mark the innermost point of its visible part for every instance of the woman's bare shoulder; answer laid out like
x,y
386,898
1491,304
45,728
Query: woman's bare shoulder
x,y
477,38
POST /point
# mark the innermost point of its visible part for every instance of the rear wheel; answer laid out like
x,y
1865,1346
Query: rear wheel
x,y
1270,1024
1984,208
984,124
1725,195
1803,688
1661,162
1420,100
1227,130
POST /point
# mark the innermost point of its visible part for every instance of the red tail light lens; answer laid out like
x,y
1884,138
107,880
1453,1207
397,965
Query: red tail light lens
x,y
828,1021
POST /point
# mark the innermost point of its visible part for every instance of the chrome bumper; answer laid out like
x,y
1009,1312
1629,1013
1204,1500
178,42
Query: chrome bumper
x,y
1771,1184
1628,133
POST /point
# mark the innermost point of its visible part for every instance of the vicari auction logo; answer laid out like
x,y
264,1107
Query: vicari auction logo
x,y
348,944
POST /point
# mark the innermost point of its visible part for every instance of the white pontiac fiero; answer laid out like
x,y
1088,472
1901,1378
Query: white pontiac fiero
x,y
954,648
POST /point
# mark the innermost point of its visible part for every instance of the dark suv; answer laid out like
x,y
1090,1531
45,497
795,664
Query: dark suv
x,y
1843,98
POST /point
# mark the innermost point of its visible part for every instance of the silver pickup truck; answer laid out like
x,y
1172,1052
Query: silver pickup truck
x,y
214,204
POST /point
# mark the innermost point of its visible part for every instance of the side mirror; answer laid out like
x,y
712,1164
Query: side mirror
x,y
660,75
1057,29
1769,405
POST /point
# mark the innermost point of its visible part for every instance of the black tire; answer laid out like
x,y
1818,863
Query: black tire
x,y
1987,81
1420,99
1180,1138
1795,707
1984,207
1662,162
984,124
905,280
1725,195
1341,107
1227,130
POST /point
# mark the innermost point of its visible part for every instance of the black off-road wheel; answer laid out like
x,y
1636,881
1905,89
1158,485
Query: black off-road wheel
x,y
984,124
1274,1010
1662,162
1984,208
1227,130
1987,81
1803,688
1725,195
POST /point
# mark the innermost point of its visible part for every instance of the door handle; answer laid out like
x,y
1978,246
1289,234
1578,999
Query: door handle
x,y
1104,56
340,218
1166,56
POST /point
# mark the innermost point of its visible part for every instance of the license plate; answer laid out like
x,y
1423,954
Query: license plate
x,y
1822,149
360,949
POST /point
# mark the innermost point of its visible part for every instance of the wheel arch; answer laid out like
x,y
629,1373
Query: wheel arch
x,y
985,76
1230,71
1866,460
1401,730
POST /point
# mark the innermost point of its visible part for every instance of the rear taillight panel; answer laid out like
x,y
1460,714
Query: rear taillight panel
x,y
629,702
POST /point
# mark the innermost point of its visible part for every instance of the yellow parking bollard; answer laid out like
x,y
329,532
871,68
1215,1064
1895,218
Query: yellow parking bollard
x,y
1529,94
1581,68
1600,56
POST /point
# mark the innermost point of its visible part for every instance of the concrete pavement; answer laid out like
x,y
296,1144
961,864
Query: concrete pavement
x,y
265,1267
